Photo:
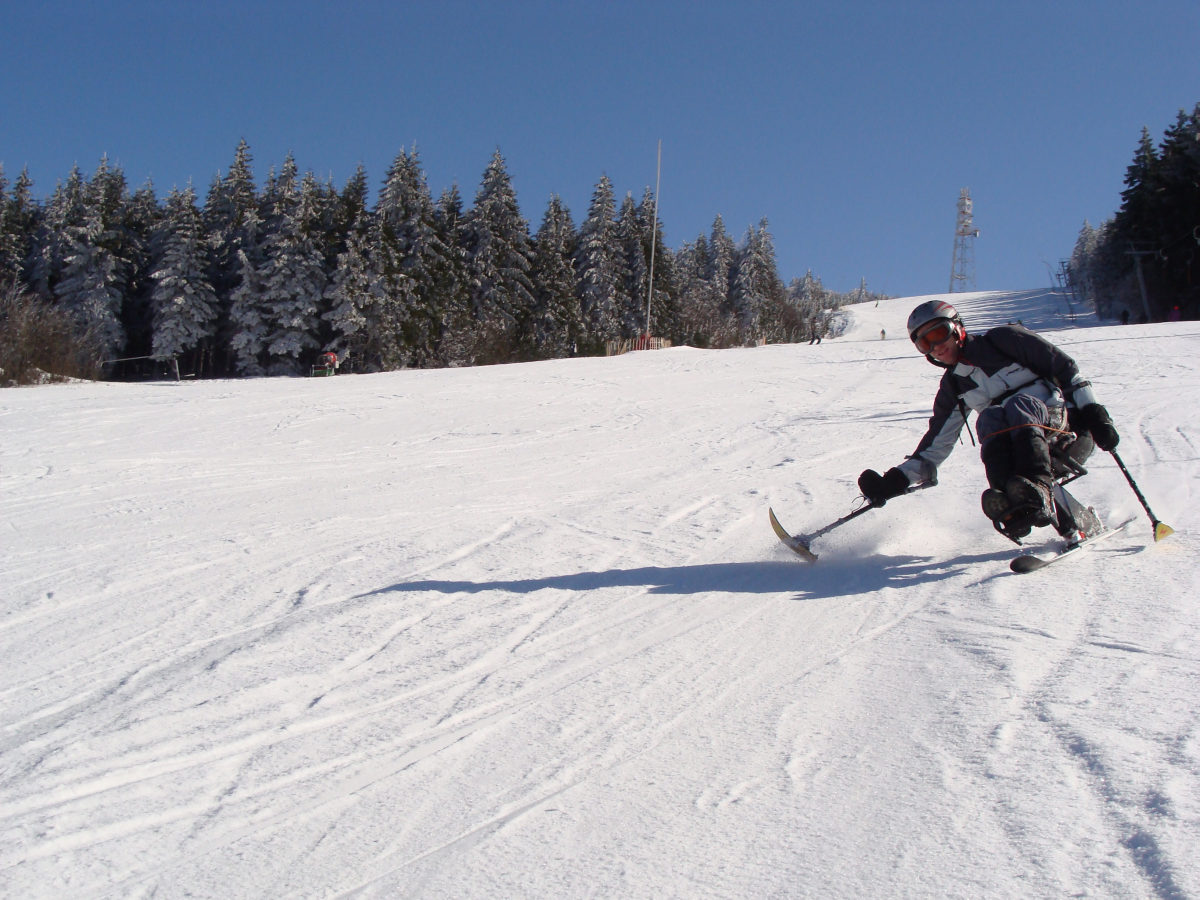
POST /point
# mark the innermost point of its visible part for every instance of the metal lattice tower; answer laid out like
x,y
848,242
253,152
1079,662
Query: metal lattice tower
x,y
962,268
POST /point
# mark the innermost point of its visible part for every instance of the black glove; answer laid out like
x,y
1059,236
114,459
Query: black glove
x,y
879,489
1095,418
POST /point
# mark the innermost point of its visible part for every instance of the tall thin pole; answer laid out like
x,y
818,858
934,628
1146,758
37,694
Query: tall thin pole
x,y
653,236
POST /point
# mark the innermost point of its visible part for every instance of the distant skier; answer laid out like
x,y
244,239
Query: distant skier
x,y
1029,396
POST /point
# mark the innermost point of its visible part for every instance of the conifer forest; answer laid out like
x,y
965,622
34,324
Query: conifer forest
x,y
263,281
1143,264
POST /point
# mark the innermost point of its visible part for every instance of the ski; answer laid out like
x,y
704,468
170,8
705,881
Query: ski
x,y
795,543
1032,562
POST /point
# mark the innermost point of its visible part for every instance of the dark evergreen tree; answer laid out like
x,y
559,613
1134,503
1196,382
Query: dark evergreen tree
x,y
142,217
1140,200
1145,259
1179,214
20,218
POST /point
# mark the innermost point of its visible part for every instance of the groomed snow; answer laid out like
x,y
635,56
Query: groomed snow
x,y
524,631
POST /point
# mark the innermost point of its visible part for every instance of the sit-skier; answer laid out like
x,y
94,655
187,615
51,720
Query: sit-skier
x,y
1031,401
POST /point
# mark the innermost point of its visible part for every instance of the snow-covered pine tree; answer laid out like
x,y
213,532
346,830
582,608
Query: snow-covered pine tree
x,y
699,313
348,294
408,252
499,259
249,325
758,296
293,272
452,281
65,210
811,300
664,310
557,324
232,222
251,315
96,264
635,259
20,217
1082,261
722,257
140,220
600,268
183,303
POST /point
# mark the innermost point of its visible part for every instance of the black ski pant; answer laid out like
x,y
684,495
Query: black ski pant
x,y
1013,438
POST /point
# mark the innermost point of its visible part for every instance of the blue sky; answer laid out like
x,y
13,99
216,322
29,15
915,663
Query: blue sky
x,y
850,126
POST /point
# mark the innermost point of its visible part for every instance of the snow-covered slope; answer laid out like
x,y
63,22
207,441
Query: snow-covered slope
x,y
524,631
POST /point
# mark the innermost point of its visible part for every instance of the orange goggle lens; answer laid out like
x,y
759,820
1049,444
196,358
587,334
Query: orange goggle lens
x,y
932,336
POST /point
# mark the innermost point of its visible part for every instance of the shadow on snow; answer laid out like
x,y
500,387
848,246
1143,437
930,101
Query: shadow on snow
x,y
826,578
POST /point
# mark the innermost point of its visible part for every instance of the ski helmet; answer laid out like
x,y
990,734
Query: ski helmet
x,y
930,311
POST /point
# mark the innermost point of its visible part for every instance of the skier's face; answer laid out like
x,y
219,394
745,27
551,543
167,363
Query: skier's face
x,y
948,351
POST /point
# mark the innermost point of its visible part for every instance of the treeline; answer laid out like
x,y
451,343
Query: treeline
x,y
1144,263
260,282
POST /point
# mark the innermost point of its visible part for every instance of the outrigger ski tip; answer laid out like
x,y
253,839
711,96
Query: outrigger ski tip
x,y
795,543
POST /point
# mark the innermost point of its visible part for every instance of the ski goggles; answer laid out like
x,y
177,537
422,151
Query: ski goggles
x,y
933,334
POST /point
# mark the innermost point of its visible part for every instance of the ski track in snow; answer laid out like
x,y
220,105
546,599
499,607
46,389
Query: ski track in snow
x,y
524,631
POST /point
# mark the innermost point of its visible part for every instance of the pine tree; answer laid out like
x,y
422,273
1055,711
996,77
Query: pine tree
x,y
232,222
557,324
292,273
722,266
452,281
664,309
499,259
1178,224
348,296
409,251
184,304
758,296
141,219
20,218
699,311
635,265
811,300
96,264
1140,197
600,269
64,211
249,321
